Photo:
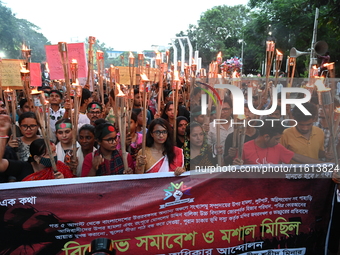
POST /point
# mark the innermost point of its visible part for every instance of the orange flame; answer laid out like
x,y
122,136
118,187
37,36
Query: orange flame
x,y
8,90
321,87
241,116
35,91
176,76
144,77
23,69
278,53
120,92
74,61
46,67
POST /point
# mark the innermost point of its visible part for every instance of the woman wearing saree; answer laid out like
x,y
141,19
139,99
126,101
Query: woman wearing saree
x,y
160,152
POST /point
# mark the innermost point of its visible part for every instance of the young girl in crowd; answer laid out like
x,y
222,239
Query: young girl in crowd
x,y
64,136
29,127
106,160
86,140
37,167
161,154
133,140
168,113
139,114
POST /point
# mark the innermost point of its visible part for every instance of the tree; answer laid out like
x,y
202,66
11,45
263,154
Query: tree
x,y
219,29
14,32
292,23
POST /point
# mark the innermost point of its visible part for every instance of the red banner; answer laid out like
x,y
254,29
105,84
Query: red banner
x,y
159,214
35,74
75,51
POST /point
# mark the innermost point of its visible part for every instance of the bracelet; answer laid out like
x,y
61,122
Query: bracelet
x,y
5,136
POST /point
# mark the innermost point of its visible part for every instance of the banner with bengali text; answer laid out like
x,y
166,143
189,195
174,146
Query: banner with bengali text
x,y
163,214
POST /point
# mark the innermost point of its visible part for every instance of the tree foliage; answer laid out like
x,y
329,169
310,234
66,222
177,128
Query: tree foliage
x,y
14,32
219,29
290,23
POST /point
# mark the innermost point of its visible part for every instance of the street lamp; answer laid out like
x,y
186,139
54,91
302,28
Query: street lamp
x,y
241,41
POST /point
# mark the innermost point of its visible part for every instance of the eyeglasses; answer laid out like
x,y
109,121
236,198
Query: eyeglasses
x,y
95,113
225,109
111,140
158,132
53,117
25,127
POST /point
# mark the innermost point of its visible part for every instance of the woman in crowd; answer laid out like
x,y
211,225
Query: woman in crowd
x,y
37,167
197,152
86,140
64,134
181,124
168,113
107,160
29,127
139,114
134,139
161,154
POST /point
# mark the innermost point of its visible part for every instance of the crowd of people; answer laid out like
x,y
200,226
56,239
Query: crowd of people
x,y
99,143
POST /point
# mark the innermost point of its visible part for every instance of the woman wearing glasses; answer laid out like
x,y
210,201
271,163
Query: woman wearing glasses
x,y
160,152
37,167
29,126
107,160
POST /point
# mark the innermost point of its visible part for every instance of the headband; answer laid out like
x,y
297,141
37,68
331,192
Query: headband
x,y
107,129
63,125
95,106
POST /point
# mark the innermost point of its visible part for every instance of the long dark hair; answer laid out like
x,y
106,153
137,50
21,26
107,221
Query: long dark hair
x,y
166,108
37,147
168,144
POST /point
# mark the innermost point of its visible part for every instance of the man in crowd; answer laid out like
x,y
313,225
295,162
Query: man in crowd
x,y
56,111
304,138
94,112
266,149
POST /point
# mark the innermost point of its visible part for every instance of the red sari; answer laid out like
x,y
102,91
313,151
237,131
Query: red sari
x,y
162,165
47,173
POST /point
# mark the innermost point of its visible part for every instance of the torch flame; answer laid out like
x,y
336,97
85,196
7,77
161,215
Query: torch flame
x,y
46,67
23,69
120,92
278,53
131,55
337,110
241,116
8,90
321,87
24,47
176,76
35,91
328,64
144,77
74,61
158,55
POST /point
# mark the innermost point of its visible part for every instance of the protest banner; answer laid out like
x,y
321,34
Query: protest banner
x,y
10,74
163,214
75,51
